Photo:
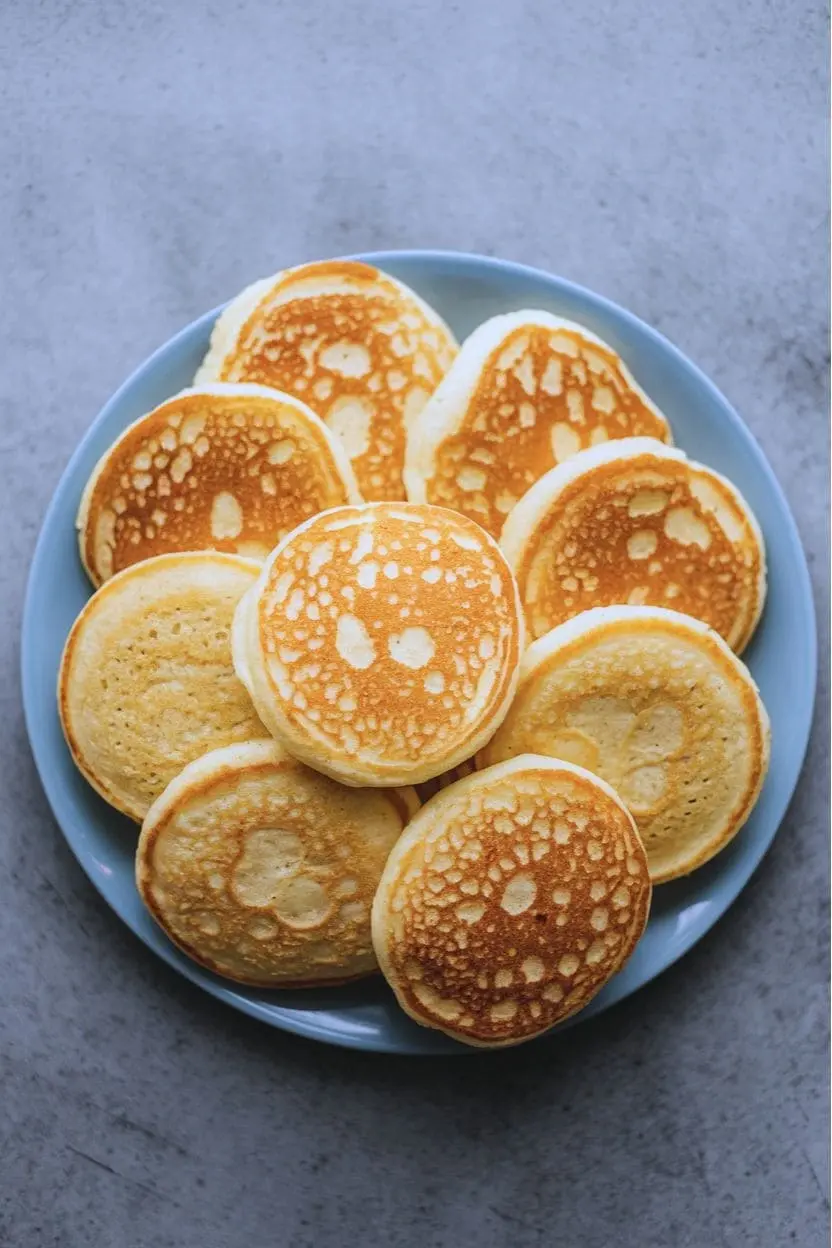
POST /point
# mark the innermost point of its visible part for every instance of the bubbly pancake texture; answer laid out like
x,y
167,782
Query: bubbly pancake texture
x,y
146,683
657,704
510,900
527,391
381,643
636,522
362,349
264,871
228,467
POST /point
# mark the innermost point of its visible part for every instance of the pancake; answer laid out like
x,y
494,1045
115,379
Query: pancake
x,y
510,900
381,643
264,871
227,467
359,347
656,704
637,522
146,682
527,391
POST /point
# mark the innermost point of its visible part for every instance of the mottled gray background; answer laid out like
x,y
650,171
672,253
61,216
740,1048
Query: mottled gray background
x,y
155,158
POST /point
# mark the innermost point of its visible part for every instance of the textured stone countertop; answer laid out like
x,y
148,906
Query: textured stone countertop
x,y
155,158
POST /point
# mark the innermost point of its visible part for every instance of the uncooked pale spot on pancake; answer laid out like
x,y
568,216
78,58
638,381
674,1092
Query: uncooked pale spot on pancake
x,y
565,442
434,682
575,407
469,478
552,379
465,541
519,894
412,648
350,418
353,642
301,902
319,557
681,524
367,573
598,436
646,502
226,516
603,400
281,452
269,855
533,969
350,359
642,544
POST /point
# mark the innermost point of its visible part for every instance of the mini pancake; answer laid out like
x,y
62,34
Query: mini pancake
x,y
657,704
381,643
227,467
361,348
510,900
264,871
637,522
527,391
146,682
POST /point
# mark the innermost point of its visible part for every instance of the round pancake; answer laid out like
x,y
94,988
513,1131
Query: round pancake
x,y
657,704
527,391
510,900
637,522
146,682
361,348
381,643
227,467
264,871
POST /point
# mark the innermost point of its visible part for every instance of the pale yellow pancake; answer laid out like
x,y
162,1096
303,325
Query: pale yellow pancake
x,y
381,644
227,467
639,523
527,391
362,349
510,900
657,704
264,871
146,682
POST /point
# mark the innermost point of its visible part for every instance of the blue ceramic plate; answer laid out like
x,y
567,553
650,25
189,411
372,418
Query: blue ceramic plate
x,y
465,290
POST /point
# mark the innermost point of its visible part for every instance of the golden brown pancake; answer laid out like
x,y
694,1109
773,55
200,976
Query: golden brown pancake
x,y
656,704
362,349
636,522
227,467
264,871
146,683
510,900
527,391
381,643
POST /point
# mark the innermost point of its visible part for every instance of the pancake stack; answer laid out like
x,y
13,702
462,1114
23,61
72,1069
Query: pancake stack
x,y
414,658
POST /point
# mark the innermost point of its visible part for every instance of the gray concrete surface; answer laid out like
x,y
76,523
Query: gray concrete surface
x,y
154,158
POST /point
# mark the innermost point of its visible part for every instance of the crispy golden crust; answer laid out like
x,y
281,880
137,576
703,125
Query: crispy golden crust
x,y
146,682
381,643
510,900
656,704
526,392
637,523
264,871
359,347
230,468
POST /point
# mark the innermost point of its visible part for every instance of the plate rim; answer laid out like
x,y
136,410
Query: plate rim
x,y
305,1024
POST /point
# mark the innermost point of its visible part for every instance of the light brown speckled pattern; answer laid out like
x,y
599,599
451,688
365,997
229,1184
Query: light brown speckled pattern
x,y
264,871
360,348
227,467
510,900
637,523
526,392
656,704
381,643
